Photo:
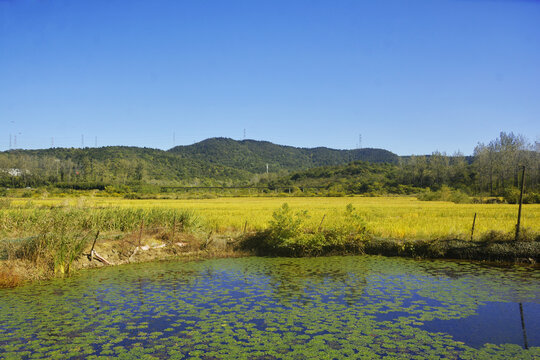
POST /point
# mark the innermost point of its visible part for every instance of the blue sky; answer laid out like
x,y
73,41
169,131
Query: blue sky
x,y
409,76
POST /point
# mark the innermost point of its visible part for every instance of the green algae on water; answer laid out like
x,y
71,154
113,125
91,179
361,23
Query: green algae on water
x,y
262,308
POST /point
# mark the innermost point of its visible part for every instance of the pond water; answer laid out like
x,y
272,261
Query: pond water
x,y
278,308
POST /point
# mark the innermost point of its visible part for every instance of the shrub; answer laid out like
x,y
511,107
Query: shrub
x,y
511,195
445,193
531,198
459,197
525,235
285,224
132,196
496,236
288,235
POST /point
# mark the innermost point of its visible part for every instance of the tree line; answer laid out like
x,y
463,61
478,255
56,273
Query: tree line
x,y
494,169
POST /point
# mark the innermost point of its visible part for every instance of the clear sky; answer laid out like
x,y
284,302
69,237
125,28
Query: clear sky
x,y
409,76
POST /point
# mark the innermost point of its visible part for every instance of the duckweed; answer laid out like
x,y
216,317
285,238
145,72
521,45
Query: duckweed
x,y
365,307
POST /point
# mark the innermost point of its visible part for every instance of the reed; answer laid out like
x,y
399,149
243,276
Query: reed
x,y
53,238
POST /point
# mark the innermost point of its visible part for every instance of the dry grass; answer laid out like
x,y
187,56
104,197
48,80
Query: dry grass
x,y
16,272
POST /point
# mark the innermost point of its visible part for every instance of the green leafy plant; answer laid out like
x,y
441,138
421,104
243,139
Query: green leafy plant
x,y
286,225
287,234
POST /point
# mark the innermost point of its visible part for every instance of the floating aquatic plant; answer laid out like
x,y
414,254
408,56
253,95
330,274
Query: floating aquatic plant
x,y
264,308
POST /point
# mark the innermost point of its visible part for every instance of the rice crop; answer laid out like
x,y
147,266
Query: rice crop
x,y
387,217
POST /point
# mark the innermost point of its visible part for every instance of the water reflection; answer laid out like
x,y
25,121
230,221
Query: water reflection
x,y
495,323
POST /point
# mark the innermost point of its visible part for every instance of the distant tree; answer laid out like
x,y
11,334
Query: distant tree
x,y
459,171
438,166
497,164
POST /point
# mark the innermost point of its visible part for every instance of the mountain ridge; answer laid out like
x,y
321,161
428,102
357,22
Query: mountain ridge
x,y
253,155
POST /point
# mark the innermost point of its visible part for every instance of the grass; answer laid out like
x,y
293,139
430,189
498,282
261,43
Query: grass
x,y
49,240
387,217
52,234
31,220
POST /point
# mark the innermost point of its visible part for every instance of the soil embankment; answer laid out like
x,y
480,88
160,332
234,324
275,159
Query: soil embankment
x,y
117,249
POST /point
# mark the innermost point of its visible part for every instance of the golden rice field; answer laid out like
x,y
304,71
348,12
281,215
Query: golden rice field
x,y
393,217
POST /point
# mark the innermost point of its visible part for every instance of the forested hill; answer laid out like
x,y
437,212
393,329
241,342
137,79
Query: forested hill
x,y
252,155
110,165
216,161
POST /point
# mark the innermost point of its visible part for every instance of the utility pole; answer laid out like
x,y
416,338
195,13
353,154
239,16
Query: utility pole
x,y
82,141
267,168
10,141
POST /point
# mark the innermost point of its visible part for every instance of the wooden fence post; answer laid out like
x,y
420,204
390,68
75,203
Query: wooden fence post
x,y
472,230
520,202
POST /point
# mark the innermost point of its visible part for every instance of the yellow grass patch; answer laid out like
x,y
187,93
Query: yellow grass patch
x,y
394,217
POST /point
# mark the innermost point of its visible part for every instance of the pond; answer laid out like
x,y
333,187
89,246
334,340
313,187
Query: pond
x,y
365,307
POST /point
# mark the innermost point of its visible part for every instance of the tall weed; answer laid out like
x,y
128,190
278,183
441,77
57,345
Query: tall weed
x,y
54,237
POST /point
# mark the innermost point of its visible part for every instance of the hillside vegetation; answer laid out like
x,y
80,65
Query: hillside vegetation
x,y
494,170
110,165
252,156
217,161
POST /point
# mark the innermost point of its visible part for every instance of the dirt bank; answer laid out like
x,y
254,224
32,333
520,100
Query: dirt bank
x,y
117,249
